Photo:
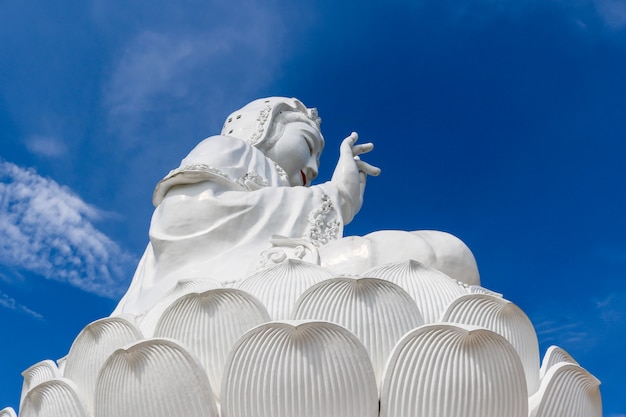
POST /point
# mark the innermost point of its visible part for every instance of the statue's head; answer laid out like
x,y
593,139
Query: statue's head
x,y
285,130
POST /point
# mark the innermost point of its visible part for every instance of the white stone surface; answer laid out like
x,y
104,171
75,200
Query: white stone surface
x,y
299,368
506,319
567,390
151,378
38,373
148,321
438,250
452,370
209,323
57,397
378,312
7,412
432,290
554,355
92,347
279,286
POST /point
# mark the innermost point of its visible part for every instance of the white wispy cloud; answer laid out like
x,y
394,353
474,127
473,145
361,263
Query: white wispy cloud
x,y
49,230
611,307
8,302
153,64
563,332
46,146
613,12
163,71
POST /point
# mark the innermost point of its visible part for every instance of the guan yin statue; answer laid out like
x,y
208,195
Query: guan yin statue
x,y
249,302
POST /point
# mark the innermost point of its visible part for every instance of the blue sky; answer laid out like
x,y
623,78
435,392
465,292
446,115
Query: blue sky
x,y
502,122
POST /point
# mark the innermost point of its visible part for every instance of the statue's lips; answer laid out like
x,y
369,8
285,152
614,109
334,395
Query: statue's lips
x,y
303,177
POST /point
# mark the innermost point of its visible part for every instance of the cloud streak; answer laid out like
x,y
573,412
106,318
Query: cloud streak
x,y
46,146
164,71
8,302
563,332
610,13
613,12
152,65
48,230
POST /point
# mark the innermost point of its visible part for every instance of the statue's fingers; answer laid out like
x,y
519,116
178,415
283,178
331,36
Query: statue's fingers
x,y
367,168
346,145
362,181
363,148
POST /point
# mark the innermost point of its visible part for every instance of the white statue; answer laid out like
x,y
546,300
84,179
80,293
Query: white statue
x,y
218,211
389,324
237,194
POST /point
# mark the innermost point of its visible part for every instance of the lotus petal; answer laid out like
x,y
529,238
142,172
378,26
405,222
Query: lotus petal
x,y
378,312
299,368
91,348
185,286
554,355
278,287
7,412
432,290
504,318
154,377
448,370
54,398
38,373
477,289
567,390
61,364
210,323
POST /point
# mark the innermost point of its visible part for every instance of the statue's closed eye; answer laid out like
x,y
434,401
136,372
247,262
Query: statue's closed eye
x,y
308,143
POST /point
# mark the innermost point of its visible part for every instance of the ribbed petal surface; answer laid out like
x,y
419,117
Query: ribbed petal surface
x,y
92,347
54,398
477,289
210,323
278,287
554,355
432,290
184,286
7,412
447,370
378,312
299,369
567,390
153,378
506,319
38,373
61,364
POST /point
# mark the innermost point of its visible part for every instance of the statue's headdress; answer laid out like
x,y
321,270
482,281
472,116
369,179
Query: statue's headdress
x,y
255,122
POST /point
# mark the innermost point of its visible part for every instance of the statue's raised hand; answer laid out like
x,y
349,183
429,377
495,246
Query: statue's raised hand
x,y
350,175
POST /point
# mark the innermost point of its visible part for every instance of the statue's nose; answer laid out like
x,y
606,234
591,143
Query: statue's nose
x,y
311,170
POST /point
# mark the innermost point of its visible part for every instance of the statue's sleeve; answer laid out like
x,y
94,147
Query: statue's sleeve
x,y
312,213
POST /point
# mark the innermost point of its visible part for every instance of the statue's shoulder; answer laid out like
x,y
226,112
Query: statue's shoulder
x,y
225,160
217,140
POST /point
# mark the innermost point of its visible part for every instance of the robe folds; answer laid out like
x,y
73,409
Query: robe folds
x,y
216,214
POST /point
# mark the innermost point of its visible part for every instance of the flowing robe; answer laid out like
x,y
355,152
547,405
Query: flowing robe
x,y
215,215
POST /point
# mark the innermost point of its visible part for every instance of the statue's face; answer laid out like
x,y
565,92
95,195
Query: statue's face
x,y
298,151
